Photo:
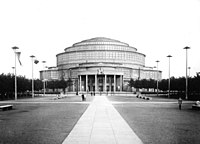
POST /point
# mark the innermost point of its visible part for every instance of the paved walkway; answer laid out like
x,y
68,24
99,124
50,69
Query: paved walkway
x,y
101,124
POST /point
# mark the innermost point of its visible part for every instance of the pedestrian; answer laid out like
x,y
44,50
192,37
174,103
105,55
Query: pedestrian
x,y
83,97
180,103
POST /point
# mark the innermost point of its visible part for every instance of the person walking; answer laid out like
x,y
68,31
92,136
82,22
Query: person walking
x,y
180,103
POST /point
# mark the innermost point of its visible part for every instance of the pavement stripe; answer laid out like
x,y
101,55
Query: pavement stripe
x,y
35,102
113,102
101,123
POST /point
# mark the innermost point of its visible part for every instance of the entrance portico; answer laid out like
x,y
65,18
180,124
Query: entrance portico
x,y
100,82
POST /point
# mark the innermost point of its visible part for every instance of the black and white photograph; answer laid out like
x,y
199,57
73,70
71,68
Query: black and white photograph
x,y
99,71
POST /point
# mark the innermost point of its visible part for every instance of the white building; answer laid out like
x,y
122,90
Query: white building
x,y
101,64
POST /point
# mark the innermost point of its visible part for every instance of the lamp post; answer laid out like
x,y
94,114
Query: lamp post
x,y
44,80
32,57
186,82
169,56
157,75
15,50
139,73
44,75
43,64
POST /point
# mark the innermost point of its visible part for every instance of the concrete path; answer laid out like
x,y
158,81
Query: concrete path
x,y
101,124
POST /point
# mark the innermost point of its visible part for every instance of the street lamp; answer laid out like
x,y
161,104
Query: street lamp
x,y
44,75
169,56
44,81
139,73
186,82
157,75
32,57
43,64
15,50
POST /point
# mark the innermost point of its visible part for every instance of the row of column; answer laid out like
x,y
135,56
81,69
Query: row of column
x,y
105,82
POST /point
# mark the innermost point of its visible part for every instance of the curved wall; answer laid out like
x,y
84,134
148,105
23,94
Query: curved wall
x,y
116,59
98,56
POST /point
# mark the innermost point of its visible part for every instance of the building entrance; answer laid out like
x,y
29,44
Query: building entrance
x,y
100,83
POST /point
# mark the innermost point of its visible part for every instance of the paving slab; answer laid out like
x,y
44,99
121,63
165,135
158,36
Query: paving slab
x,y
101,123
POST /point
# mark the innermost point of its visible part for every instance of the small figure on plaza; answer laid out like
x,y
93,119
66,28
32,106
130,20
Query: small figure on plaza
x,y
83,97
180,103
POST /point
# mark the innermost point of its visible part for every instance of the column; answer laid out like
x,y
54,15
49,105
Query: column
x,y
114,83
121,83
105,86
73,87
86,79
80,83
95,83
110,83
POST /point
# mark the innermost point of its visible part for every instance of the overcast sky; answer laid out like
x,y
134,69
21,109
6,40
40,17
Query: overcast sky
x,y
45,28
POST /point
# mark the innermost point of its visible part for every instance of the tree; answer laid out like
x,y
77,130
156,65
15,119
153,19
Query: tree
x,y
7,84
65,84
142,83
62,84
131,83
52,85
38,84
163,85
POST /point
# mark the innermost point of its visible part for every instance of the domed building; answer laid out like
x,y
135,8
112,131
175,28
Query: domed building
x,y
101,65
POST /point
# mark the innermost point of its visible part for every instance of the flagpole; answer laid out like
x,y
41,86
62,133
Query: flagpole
x,y
32,56
15,48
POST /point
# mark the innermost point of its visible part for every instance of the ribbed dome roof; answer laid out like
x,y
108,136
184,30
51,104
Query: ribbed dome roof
x,y
100,40
100,43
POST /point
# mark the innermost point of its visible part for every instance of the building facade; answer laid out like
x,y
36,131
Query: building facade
x,y
101,65
50,74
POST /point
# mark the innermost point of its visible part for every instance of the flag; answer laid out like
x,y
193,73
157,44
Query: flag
x,y
36,61
18,56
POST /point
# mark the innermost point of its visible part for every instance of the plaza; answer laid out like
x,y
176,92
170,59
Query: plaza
x,y
99,119
100,72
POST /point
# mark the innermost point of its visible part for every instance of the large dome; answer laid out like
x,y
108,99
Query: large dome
x,y
98,42
101,65
92,52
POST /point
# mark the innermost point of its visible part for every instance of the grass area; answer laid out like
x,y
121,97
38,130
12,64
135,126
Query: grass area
x,y
39,122
160,122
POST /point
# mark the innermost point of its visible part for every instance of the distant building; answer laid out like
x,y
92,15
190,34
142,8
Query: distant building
x,y
100,64
50,74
